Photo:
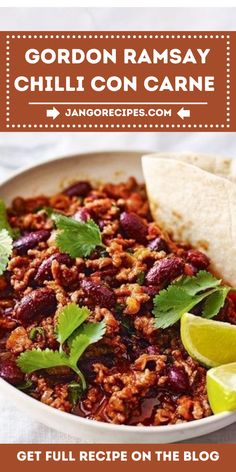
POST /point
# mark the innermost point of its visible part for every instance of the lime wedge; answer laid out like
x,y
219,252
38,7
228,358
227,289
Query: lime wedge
x,y
210,342
221,388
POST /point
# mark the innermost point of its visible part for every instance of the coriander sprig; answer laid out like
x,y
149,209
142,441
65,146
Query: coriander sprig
x,y
7,234
69,320
5,249
77,336
4,224
77,238
182,296
75,391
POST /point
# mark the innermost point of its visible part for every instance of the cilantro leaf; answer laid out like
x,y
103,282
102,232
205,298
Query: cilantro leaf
x,y
172,303
36,359
76,238
34,331
5,249
70,318
140,278
181,296
78,346
202,281
24,386
29,361
4,224
215,302
48,210
86,335
75,391
94,331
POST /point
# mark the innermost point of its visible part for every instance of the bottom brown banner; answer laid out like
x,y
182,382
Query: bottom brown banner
x,y
103,457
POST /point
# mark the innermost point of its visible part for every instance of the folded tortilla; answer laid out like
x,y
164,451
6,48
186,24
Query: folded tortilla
x,y
195,206
218,165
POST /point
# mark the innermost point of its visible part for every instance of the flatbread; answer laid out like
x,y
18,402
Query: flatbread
x,y
218,165
195,206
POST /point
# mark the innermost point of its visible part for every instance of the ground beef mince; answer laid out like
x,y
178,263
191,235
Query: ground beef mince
x,y
136,374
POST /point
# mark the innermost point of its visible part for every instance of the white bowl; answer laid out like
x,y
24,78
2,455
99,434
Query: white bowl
x,y
48,178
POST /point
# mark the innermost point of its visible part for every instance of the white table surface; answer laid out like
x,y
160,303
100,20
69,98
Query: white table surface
x,y
21,149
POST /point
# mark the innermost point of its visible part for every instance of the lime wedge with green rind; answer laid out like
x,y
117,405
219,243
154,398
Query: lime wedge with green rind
x,y
221,388
210,342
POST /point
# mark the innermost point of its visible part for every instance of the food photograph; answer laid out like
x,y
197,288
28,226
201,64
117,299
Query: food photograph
x,y
117,284
116,294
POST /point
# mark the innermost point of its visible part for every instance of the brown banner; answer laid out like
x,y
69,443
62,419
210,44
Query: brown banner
x,y
28,457
118,81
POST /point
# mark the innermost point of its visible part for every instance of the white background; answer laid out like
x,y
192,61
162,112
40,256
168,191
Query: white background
x,y
18,149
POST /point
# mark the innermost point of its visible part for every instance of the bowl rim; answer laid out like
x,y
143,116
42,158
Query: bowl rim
x,y
18,395
54,160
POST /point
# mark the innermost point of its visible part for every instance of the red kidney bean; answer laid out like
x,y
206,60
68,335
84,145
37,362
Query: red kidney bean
x,y
8,311
165,270
99,294
153,350
190,270
6,288
227,312
197,259
158,244
31,240
151,290
133,227
38,303
83,214
78,189
44,271
10,372
178,379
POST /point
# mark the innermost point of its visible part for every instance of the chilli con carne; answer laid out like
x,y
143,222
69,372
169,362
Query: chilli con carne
x,y
136,374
